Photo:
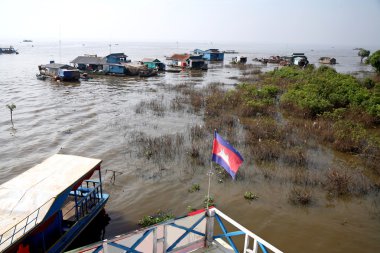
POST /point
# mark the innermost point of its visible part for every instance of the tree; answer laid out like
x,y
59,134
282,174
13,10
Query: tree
x,y
11,107
374,60
363,53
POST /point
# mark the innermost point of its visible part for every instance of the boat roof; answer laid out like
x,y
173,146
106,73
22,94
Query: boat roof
x,y
40,186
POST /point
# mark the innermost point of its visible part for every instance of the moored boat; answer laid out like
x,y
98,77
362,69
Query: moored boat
x,y
327,60
45,208
8,50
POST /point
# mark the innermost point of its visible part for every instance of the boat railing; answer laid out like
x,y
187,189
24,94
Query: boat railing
x,y
86,197
186,234
23,226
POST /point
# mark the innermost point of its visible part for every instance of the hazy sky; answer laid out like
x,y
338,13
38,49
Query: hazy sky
x,y
331,22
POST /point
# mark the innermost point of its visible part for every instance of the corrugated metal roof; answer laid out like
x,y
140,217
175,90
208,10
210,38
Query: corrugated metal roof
x,y
89,60
150,60
179,57
57,66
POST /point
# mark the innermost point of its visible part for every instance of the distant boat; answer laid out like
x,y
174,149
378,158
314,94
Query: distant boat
x,y
41,77
230,52
27,41
8,50
327,60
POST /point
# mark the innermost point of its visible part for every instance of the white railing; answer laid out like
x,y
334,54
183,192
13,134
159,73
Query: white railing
x,y
182,235
248,235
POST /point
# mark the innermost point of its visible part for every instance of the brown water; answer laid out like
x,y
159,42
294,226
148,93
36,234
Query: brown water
x,y
98,119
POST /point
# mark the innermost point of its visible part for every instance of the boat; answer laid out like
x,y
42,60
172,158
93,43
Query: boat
x,y
27,41
41,77
327,60
45,208
8,50
239,60
230,52
148,72
173,70
195,232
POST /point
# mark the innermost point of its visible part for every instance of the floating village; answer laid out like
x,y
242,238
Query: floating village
x,y
46,208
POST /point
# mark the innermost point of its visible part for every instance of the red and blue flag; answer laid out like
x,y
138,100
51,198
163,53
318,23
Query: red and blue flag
x,y
225,155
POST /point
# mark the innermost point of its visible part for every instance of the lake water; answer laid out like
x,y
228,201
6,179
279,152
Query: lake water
x,y
98,119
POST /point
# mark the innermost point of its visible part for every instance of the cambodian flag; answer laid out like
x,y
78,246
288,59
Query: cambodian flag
x,y
225,155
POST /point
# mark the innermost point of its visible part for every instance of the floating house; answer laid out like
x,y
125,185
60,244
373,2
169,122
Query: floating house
x,y
154,63
299,59
45,208
62,72
187,61
210,54
89,62
178,60
115,63
196,62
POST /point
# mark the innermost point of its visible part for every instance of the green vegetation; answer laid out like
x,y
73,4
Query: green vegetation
x,y
194,188
363,53
159,217
11,107
374,60
314,92
300,196
250,196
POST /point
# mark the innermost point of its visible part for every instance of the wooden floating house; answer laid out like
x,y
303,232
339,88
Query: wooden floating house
x,y
62,72
210,54
187,61
89,63
115,64
154,63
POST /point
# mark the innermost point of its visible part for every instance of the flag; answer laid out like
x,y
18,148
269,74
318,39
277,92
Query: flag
x,y
225,155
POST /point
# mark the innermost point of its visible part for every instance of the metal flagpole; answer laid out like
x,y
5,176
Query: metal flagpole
x,y
209,177
209,185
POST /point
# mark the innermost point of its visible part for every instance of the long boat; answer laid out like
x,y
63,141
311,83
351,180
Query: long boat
x,y
198,231
45,208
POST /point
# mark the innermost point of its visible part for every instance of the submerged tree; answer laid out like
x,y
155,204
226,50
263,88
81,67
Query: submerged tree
x,y
374,60
363,53
11,107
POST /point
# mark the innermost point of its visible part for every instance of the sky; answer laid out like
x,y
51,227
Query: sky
x,y
325,22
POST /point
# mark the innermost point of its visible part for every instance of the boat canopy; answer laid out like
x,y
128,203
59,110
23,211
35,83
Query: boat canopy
x,y
40,186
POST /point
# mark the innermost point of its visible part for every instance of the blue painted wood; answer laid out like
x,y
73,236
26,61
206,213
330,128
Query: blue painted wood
x,y
229,234
98,249
185,234
263,248
123,247
232,244
185,228
137,243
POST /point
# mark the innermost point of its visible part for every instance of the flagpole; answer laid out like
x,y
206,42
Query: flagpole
x,y
209,178
209,186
